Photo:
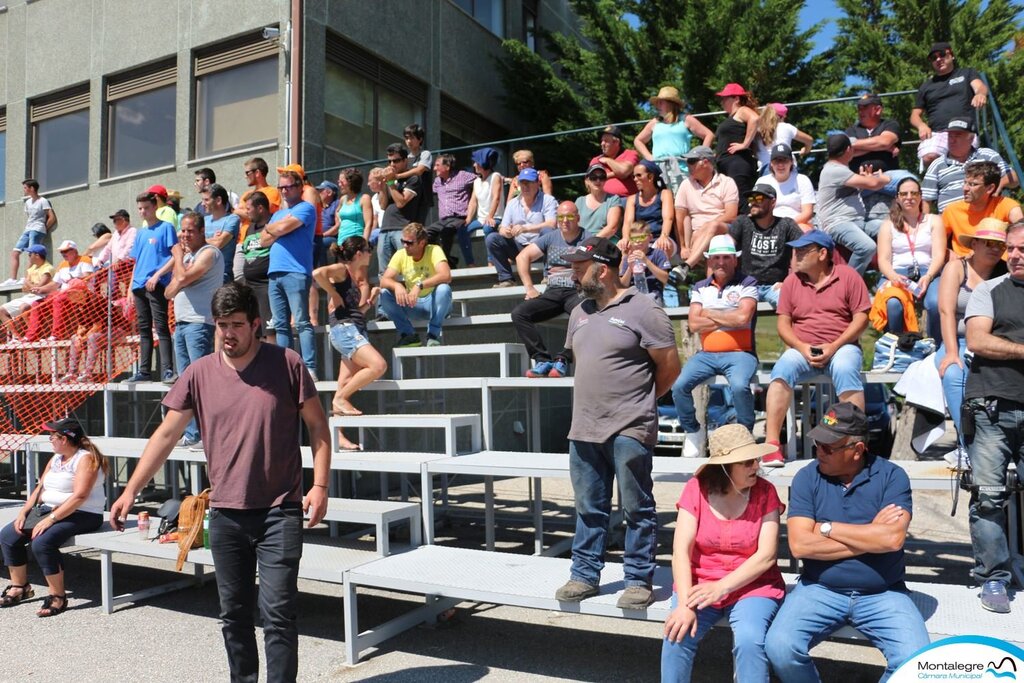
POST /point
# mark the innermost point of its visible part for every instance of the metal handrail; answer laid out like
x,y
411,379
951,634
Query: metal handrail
x,y
1001,134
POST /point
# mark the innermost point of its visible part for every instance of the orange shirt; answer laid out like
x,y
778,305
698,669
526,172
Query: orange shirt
x,y
961,219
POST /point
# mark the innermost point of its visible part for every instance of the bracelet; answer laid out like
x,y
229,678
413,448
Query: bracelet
x,y
323,486
391,183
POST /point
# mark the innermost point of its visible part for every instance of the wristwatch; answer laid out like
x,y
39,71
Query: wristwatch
x,y
53,517
826,529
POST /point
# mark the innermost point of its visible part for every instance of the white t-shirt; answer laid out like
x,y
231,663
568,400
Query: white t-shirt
x,y
59,483
793,193
69,273
785,133
482,190
36,212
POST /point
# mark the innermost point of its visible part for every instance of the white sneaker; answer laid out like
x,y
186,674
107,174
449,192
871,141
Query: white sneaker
x,y
957,459
9,282
694,444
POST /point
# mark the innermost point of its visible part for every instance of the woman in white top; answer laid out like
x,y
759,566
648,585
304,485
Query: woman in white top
x,y
486,206
70,491
911,254
795,192
772,130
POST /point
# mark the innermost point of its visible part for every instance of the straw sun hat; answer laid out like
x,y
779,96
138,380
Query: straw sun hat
x,y
734,443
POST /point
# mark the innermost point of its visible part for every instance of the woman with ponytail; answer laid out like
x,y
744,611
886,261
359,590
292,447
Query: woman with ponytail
x,y
70,493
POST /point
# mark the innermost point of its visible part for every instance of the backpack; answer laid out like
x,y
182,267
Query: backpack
x,y
190,524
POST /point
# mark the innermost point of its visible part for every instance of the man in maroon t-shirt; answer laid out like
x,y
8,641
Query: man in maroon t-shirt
x,y
823,310
255,470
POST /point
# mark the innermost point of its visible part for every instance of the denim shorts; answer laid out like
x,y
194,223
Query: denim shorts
x,y
347,338
29,238
843,368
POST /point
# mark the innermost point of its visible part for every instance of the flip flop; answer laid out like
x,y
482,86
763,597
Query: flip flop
x,y
344,413
354,448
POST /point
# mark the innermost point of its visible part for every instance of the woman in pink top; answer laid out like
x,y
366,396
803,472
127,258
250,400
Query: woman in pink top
x,y
724,558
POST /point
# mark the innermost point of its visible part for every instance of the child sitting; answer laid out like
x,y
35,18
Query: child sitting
x,y
645,266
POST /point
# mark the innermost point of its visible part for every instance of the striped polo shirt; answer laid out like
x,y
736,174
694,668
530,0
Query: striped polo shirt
x,y
708,294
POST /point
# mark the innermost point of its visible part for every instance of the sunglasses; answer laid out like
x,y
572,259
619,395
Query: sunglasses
x,y
408,243
757,198
637,239
565,217
935,56
908,195
248,172
693,162
991,244
286,187
830,450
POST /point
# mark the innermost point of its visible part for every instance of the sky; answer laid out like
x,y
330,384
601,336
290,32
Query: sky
x,y
814,12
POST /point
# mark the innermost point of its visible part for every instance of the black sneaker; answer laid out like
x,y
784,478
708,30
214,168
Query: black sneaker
x,y
407,340
137,377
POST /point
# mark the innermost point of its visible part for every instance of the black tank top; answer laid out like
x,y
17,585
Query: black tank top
x,y
729,131
348,311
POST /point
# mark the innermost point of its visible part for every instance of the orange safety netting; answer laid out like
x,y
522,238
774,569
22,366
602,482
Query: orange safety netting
x,y
62,349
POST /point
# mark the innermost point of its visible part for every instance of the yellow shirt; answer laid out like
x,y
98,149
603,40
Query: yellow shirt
x,y
417,271
35,275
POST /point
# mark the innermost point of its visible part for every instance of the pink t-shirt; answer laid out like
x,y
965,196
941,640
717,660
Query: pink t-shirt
x,y
820,316
622,188
723,545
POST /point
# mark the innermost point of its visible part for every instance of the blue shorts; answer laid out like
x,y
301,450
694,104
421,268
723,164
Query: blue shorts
x,y
346,338
844,368
28,239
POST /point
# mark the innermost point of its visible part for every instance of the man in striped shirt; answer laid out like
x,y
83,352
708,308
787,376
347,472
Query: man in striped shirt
x,y
944,180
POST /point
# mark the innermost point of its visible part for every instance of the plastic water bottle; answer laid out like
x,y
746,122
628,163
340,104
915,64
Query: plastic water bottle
x,y
206,530
144,525
640,276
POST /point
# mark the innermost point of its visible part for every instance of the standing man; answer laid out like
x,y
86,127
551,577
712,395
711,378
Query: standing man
x,y
205,177
164,211
848,520
952,92
197,274
425,289
222,226
560,295
722,310
256,170
762,240
626,358
290,238
981,200
706,203
453,189
255,470
944,180
995,335
40,218
400,199
823,310
152,273
256,262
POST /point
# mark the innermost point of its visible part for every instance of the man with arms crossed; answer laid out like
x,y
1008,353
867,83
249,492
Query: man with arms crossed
x,y
255,470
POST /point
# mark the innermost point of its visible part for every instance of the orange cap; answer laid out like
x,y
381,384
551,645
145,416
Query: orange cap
x,y
295,168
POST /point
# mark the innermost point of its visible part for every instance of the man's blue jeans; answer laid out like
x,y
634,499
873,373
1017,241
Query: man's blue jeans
x,y
749,619
998,441
433,307
242,541
889,620
854,237
289,300
192,341
739,368
388,244
592,469
769,294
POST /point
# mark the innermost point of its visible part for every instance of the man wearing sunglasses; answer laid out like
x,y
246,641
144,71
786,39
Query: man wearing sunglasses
x,y
848,518
423,292
953,91
762,239
706,203
400,198
981,200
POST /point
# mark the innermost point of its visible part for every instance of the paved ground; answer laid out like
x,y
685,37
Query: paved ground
x,y
176,638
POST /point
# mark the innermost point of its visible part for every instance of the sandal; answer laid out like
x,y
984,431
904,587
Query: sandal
x,y
48,610
9,600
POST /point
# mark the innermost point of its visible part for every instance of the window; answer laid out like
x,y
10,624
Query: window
x,y
461,126
60,139
140,120
490,13
363,110
3,154
530,24
236,97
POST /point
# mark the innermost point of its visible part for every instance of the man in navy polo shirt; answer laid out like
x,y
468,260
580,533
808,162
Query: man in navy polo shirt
x,y
848,519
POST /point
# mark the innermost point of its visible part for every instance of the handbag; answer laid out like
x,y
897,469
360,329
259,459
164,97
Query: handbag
x,y
896,353
37,514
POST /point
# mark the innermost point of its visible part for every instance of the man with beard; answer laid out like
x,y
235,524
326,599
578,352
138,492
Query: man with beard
x,y
761,239
255,470
626,357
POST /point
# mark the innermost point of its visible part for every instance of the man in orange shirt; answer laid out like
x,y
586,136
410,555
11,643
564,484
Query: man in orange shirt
x,y
981,184
256,170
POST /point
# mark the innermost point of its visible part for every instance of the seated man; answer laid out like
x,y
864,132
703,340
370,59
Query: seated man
x,y
848,520
763,239
525,218
560,296
981,200
424,292
53,312
454,188
944,180
706,203
40,273
823,310
722,310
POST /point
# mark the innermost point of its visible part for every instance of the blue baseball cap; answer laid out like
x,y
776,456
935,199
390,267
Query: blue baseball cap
x,y
818,237
37,249
528,174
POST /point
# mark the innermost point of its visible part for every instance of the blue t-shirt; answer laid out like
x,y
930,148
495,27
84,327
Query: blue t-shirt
x,y
293,253
229,223
557,270
825,499
151,251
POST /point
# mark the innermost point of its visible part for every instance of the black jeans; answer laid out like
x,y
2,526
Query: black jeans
x,y
151,309
46,547
443,233
241,540
552,303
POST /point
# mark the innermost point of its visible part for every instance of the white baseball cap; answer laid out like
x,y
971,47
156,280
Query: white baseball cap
x,y
67,244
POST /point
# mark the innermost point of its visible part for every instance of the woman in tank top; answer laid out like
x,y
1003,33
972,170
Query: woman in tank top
x,y
735,135
486,206
70,491
652,204
670,135
959,278
355,213
348,297
911,253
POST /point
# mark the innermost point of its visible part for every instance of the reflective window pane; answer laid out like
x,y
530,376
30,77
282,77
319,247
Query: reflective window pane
x,y
60,151
393,115
3,166
237,108
348,113
141,132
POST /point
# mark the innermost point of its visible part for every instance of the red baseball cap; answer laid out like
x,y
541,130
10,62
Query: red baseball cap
x,y
731,90
159,190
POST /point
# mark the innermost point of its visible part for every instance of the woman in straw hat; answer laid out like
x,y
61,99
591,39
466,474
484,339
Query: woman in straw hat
x,y
724,558
959,278
670,134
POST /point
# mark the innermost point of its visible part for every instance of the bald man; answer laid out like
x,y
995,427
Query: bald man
x,y
560,296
